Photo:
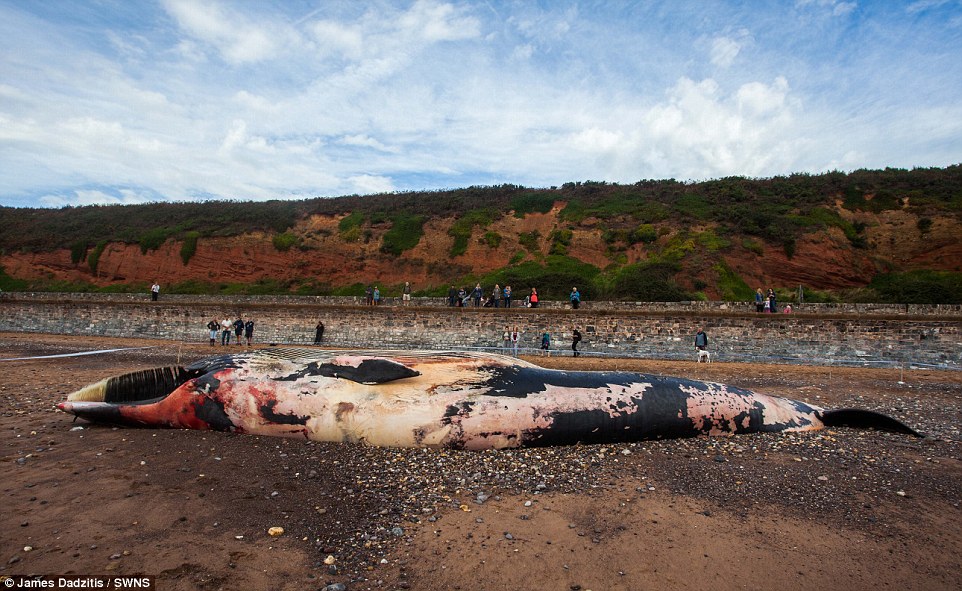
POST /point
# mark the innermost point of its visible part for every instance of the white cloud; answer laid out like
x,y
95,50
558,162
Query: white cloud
x,y
363,140
336,38
700,128
433,22
723,51
232,99
236,38
367,184
834,7
523,52
924,5
843,8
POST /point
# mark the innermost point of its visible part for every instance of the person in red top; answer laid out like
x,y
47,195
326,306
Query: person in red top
x,y
533,298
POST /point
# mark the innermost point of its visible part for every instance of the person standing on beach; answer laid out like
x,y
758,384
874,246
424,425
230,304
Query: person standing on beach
x,y
239,330
701,340
318,333
406,294
249,331
225,327
155,291
515,338
212,328
575,339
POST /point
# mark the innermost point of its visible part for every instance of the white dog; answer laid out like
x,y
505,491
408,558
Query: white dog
x,y
704,355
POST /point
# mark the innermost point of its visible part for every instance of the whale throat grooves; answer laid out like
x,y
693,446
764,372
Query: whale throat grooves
x,y
134,387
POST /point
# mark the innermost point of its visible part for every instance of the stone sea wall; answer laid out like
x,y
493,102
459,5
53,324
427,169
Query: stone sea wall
x,y
816,333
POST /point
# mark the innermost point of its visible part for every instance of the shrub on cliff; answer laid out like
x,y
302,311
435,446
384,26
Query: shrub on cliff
x,y
560,241
285,240
153,239
919,287
533,202
8,283
647,282
405,233
189,247
462,228
78,252
93,259
730,284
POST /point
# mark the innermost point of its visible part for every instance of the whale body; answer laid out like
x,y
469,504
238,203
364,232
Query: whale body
x,y
440,399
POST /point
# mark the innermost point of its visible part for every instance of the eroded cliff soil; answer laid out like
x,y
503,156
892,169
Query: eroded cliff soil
x,y
824,259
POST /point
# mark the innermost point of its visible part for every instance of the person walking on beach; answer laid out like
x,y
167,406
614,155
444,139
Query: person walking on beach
x,y
575,339
546,344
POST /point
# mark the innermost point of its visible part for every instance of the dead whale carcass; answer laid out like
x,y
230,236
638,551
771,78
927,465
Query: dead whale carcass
x,y
432,399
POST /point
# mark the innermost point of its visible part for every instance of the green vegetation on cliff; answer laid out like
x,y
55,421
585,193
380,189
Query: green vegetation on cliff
x,y
676,228
774,209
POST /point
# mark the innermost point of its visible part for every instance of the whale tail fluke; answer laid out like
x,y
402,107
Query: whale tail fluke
x,y
866,419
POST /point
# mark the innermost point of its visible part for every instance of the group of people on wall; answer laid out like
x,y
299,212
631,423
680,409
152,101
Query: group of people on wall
x,y
498,298
768,303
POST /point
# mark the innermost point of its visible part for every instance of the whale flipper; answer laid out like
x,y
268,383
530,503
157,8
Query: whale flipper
x,y
855,417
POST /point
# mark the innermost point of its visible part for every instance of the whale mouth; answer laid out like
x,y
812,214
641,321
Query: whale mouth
x,y
138,387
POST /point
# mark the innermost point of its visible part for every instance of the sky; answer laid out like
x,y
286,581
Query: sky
x,y
133,101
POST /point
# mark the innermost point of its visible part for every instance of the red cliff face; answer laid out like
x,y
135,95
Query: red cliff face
x,y
824,259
